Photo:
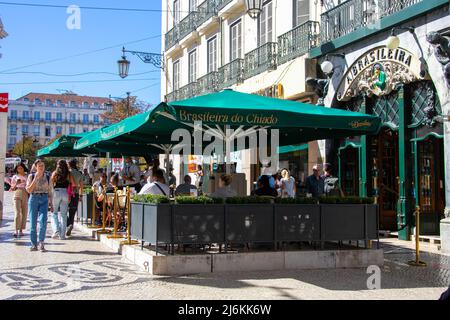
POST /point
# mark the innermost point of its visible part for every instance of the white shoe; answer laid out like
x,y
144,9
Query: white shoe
x,y
55,235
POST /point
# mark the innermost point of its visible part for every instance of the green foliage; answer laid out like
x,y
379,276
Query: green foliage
x,y
194,200
346,200
151,198
298,200
87,190
249,200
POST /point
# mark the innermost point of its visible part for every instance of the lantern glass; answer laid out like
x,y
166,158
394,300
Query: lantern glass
x,y
254,8
327,67
124,67
393,42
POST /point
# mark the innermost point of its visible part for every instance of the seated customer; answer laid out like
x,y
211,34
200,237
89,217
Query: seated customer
x,y
224,190
157,185
264,188
185,188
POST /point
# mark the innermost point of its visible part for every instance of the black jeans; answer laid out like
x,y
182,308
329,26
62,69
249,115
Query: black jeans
x,y
73,207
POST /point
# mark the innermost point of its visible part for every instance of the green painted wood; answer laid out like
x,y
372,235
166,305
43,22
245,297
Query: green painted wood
x,y
363,158
390,21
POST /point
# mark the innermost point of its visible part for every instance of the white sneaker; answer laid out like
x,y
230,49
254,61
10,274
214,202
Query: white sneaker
x,y
55,235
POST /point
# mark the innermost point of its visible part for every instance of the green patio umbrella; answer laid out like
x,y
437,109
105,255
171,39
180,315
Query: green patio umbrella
x,y
297,122
63,147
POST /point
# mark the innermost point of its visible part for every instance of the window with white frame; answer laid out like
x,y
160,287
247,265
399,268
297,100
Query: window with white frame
x,y
58,130
48,116
13,130
212,54
36,131
236,40
192,5
176,12
192,66
14,114
72,130
301,12
37,116
266,24
48,131
26,115
176,75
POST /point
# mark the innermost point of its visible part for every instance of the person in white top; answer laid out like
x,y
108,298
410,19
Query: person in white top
x,y
157,185
288,188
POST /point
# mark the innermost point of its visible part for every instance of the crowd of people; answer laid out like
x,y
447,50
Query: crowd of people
x,y
37,191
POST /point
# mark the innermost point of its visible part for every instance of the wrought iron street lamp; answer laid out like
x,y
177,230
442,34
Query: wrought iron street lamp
x,y
156,59
254,8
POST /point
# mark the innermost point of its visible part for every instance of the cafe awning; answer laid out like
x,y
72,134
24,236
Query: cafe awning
x,y
62,147
245,113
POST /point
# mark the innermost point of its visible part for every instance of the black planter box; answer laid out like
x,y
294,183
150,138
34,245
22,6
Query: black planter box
x,y
156,223
297,222
198,223
249,223
137,221
349,222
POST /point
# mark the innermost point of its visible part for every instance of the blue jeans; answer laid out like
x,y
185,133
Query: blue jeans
x,y
61,204
38,208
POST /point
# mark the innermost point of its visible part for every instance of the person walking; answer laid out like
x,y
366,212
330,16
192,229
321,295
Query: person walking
x,y
63,185
18,185
77,191
38,186
288,187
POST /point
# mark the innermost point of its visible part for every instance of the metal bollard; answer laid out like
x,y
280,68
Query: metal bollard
x,y
417,262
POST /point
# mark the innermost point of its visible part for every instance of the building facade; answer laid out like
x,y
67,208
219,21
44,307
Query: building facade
x,y
214,45
45,116
402,81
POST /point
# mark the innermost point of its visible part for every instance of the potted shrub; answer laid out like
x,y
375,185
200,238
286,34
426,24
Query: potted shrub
x,y
198,220
249,219
151,218
348,218
297,219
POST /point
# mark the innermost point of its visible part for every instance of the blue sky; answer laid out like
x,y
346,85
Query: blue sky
x,y
40,34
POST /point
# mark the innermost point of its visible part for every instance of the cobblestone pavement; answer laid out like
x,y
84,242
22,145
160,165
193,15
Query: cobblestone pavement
x,y
81,268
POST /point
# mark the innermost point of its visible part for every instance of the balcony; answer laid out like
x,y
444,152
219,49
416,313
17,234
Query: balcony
x,y
261,59
188,91
207,83
205,11
173,96
222,4
187,25
351,15
230,74
298,41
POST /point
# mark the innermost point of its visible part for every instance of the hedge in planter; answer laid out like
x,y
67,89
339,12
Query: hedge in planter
x,y
151,218
349,218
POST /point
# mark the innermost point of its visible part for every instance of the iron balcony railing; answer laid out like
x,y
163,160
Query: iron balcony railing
x,y
222,3
206,10
298,41
351,15
188,24
171,37
230,74
207,83
388,7
261,59
173,96
187,91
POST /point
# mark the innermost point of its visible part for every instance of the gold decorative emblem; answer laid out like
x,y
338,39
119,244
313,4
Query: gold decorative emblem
x,y
359,124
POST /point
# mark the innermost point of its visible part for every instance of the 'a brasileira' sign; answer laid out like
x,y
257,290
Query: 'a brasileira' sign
x,y
379,71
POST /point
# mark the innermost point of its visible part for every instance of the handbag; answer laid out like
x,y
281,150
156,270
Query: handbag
x,y
70,191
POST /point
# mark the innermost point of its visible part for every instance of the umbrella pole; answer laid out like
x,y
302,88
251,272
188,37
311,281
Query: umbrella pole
x,y
94,210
